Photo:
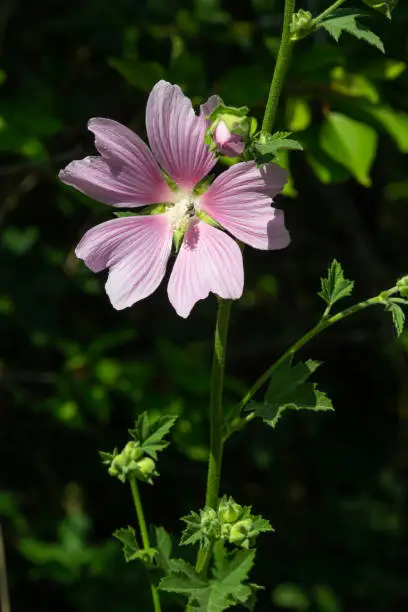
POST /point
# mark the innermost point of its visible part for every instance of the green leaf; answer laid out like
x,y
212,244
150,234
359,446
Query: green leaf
x,y
289,389
163,545
335,286
226,588
131,549
261,525
398,316
193,532
107,457
200,527
185,581
151,434
353,85
383,6
350,143
265,148
345,20
127,536
393,122
298,114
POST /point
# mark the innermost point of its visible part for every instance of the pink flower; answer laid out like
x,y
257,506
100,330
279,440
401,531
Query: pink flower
x,y
127,174
227,143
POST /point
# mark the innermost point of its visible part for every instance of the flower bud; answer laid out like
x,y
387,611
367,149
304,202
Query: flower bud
x,y
229,129
241,533
402,285
145,469
132,451
228,143
302,24
229,511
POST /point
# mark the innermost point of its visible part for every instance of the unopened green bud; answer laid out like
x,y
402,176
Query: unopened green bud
x,y
402,285
132,451
229,511
241,533
118,467
302,24
145,469
113,470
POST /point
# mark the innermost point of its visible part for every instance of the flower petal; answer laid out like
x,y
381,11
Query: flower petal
x,y
208,260
135,249
240,200
126,174
176,135
208,107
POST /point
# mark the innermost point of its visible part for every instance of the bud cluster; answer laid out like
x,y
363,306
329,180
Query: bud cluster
x,y
231,523
131,462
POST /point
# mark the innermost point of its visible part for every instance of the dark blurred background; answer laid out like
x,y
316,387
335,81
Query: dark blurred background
x,y
74,373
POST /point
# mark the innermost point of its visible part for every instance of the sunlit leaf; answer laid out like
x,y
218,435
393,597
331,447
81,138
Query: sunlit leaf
x,y
350,143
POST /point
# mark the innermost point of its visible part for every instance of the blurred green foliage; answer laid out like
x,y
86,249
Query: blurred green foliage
x,y
74,373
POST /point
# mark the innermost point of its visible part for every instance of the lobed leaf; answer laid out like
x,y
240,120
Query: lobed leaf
x,y
345,20
289,389
398,316
131,549
151,434
226,588
335,286
266,148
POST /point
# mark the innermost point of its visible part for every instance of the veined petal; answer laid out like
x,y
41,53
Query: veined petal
x,y
240,200
176,135
207,108
208,260
135,249
126,174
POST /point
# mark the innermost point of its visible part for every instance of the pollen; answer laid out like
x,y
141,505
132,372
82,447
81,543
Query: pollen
x,y
183,208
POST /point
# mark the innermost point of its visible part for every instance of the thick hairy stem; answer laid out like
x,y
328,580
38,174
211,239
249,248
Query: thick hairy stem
x,y
281,66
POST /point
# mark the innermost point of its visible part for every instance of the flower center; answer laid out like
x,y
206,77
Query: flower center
x,y
183,208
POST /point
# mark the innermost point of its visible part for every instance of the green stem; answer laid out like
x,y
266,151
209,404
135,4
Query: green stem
x,y
144,535
281,66
324,323
216,434
328,11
